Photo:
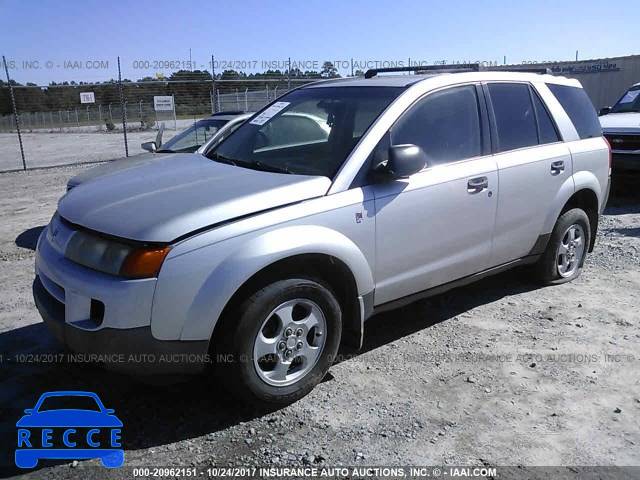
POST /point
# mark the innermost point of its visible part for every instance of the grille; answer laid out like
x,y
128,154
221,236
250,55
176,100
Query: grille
x,y
624,142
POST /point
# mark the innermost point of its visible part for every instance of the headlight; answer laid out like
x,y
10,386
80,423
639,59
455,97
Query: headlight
x,y
115,258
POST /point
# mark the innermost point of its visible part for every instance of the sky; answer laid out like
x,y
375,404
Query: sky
x,y
81,40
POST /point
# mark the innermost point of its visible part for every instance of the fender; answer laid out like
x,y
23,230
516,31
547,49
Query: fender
x,y
586,180
564,193
242,259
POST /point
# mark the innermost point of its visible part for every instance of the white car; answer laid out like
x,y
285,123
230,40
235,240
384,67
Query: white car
x,y
621,127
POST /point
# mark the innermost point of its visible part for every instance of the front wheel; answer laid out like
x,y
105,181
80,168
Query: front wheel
x,y
284,340
566,251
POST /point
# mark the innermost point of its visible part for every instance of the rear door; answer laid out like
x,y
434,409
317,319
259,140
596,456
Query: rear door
x,y
533,165
436,226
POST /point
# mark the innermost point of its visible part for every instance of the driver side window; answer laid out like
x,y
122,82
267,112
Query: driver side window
x,y
445,124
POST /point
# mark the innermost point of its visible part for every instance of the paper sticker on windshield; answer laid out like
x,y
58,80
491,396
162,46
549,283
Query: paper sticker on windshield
x,y
630,96
269,112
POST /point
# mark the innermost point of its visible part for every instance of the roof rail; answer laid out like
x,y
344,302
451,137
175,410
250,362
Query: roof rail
x,y
544,71
456,67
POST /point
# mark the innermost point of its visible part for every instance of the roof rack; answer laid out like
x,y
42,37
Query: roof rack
x,y
452,68
543,71
456,67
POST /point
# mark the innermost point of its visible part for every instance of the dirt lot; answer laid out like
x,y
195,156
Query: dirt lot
x,y
50,148
497,373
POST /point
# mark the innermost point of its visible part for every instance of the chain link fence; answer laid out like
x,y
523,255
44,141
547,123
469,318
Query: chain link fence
x,y
50,126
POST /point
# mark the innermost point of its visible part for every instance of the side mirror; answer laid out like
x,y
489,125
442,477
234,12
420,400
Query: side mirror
x,y
159,135
604,111
405,160
149,146
109,411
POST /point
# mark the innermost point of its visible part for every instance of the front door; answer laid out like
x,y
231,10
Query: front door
x,y
436,226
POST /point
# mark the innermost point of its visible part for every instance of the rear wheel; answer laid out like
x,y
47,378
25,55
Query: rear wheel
x,y
566,251
283,342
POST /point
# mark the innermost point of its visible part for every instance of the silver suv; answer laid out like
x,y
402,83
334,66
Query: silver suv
x,y
341,199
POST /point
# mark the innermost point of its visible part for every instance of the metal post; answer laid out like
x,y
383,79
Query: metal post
x,y
35,118
77,120
213,86
175,121
123,107
275,92
352,67
289,75
218,99
110,114
88,119
29,118
51,118
60,115
246,100
100,117
15,112
141,107
237,100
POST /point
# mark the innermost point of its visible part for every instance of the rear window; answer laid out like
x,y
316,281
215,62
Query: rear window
x,y
579,108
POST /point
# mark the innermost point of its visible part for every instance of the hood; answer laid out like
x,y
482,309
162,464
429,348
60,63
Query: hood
x,y
166,199
620,122
124,163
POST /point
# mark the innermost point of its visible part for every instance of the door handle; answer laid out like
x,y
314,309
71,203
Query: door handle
x,y
477,185
557,167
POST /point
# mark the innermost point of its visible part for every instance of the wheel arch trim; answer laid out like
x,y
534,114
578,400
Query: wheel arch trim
x,y
259,253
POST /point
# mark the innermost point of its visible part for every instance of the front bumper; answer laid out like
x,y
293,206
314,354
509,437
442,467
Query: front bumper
x,y
132,350
120,337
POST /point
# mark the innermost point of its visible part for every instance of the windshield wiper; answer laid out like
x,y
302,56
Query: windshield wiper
x,y
248,164
222,159
266,168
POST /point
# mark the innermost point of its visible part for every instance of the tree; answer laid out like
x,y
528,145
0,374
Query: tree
x,y
329,71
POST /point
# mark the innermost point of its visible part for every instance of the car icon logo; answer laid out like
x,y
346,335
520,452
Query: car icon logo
x,y
52,430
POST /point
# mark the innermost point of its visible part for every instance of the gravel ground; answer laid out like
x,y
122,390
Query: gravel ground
x,y
496,373
49,148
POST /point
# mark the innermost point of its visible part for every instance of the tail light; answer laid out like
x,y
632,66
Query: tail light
x,y
610,153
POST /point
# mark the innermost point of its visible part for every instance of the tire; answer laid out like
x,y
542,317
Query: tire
x,y
566,251
280,343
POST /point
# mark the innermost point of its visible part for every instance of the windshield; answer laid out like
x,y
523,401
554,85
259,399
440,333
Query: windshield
x,y
67,402
193,137
310,131
630,101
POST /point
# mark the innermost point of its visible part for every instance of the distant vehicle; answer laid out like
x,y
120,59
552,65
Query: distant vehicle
x,y
341,199
199,137
83,436
621,127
